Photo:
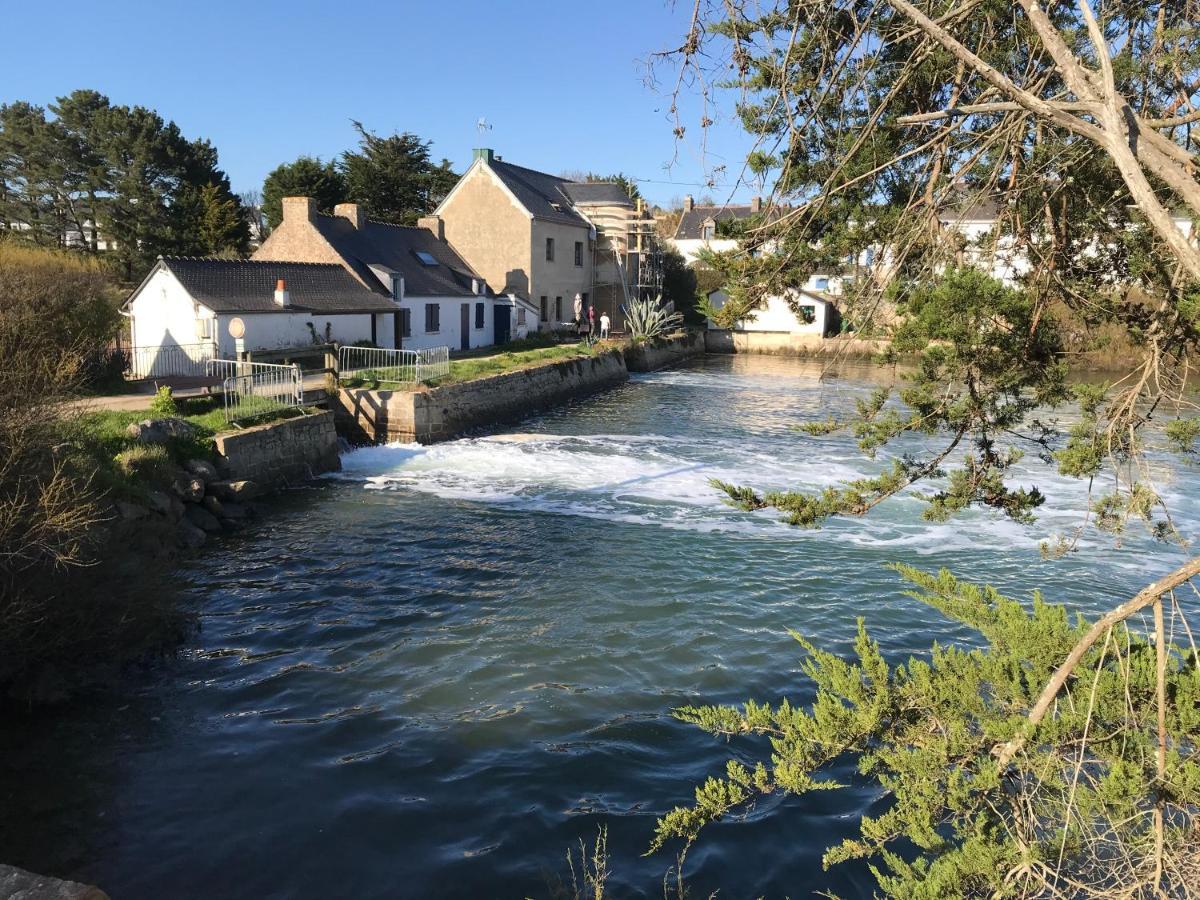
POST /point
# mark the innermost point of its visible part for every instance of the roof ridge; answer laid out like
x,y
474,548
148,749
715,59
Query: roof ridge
x,y
370,221
251,261
505,162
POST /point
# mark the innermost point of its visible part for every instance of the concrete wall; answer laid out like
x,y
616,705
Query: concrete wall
x,y
488,229
648,357
280,453
787,344
438,414
275,330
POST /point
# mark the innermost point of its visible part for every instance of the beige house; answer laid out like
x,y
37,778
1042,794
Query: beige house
x,y
549,240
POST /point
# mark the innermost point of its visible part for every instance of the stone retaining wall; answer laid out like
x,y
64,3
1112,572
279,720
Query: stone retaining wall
x,y
281,453
438,414
782,343
649,357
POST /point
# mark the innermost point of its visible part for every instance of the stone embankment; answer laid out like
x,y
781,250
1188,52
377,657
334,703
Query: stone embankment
x,y
206,498
441,413
654,355
782,343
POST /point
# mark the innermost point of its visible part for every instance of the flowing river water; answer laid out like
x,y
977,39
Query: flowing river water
x,y
433,673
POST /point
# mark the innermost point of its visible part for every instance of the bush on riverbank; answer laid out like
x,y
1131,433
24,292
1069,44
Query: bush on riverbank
x,y
67,598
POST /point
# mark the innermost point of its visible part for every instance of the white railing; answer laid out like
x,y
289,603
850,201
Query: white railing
x,y
256,389
393,366
177,361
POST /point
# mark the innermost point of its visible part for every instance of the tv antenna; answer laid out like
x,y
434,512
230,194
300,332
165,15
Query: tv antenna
x,y
483,125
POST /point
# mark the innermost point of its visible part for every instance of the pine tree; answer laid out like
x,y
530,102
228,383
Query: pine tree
x,y
306,177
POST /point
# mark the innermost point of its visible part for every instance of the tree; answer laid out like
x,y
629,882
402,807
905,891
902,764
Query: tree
x,y
306,177
679,286
394,178
98,169
885,116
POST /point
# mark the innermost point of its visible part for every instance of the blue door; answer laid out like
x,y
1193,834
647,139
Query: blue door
x,y
502,316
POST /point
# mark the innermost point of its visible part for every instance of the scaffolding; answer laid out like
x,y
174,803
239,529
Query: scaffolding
x,y
626,260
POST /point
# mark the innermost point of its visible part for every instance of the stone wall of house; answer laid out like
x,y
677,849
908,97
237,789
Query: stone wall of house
x,y
437,414
781,343
280,453
649,357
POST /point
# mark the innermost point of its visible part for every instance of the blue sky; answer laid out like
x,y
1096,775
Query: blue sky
x,y
562,84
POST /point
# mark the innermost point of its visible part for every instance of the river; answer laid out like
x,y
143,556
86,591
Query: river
x,y
433,673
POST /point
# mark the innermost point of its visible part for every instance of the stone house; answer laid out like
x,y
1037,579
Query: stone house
x,y
548,240
442,300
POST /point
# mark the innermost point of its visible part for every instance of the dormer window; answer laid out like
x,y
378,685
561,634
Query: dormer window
x,y
709,231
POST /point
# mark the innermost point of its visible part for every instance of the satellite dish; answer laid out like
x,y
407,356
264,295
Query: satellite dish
x,y
237,328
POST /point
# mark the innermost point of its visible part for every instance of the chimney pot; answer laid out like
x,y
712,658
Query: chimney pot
x,y
434,224
282,297
351,211
485,153
688,203
297,209
755,204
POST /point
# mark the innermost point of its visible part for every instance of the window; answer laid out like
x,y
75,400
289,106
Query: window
x,y
558,309
549,249
521,315
808,314
433,318
425,258
709,232
406,323
545,311
204,329
397,287
822,284
478,315
579,253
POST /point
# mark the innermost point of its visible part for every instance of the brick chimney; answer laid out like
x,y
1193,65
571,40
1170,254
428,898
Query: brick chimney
x,y
688,203
756,204
299,209
353,212
282,297
434,224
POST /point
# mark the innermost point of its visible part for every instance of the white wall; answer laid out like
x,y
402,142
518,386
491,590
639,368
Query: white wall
x,y
164,314
690,248
777,316
449,333
273,330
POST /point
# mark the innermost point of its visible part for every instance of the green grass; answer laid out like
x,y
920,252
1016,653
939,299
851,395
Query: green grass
x,y
471,368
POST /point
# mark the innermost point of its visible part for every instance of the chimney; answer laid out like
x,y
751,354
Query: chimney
x,y
756,204
299,209
688,203
282,297
434,224
485,153
351,211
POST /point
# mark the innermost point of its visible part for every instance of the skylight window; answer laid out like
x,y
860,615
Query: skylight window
x,y
425,258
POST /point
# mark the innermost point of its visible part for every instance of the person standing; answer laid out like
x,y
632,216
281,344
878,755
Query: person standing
x,y
591,320
604,323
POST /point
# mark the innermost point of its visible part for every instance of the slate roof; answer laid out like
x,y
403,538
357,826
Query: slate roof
x,y
394,247
544,196
971,210
607,193
691,223
248,286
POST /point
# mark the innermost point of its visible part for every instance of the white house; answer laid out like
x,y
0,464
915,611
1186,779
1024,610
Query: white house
x,y
184,307
814,314
697,228
443,301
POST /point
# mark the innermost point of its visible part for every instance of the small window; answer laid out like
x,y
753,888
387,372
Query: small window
x,y
558,309
579,253
545,310
710,231
433,318
397,290
478,315
426,258
822,284
521,315
549,249
808,314
406,323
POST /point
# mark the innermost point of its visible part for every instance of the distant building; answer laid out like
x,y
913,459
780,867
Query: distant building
x,y
698,227
803,312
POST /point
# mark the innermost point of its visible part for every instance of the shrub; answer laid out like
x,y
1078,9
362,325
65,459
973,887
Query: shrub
x,y
163,405
150,463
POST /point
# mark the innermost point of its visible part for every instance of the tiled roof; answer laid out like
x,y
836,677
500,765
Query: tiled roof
x,y
971,209
607,193
395,247
248,286
691,223
544,196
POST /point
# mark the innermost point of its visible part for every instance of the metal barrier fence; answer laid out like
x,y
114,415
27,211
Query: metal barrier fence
x,y
396,366
255,389
179,361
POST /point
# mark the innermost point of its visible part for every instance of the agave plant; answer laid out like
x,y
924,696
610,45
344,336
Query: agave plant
x,y
648,319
